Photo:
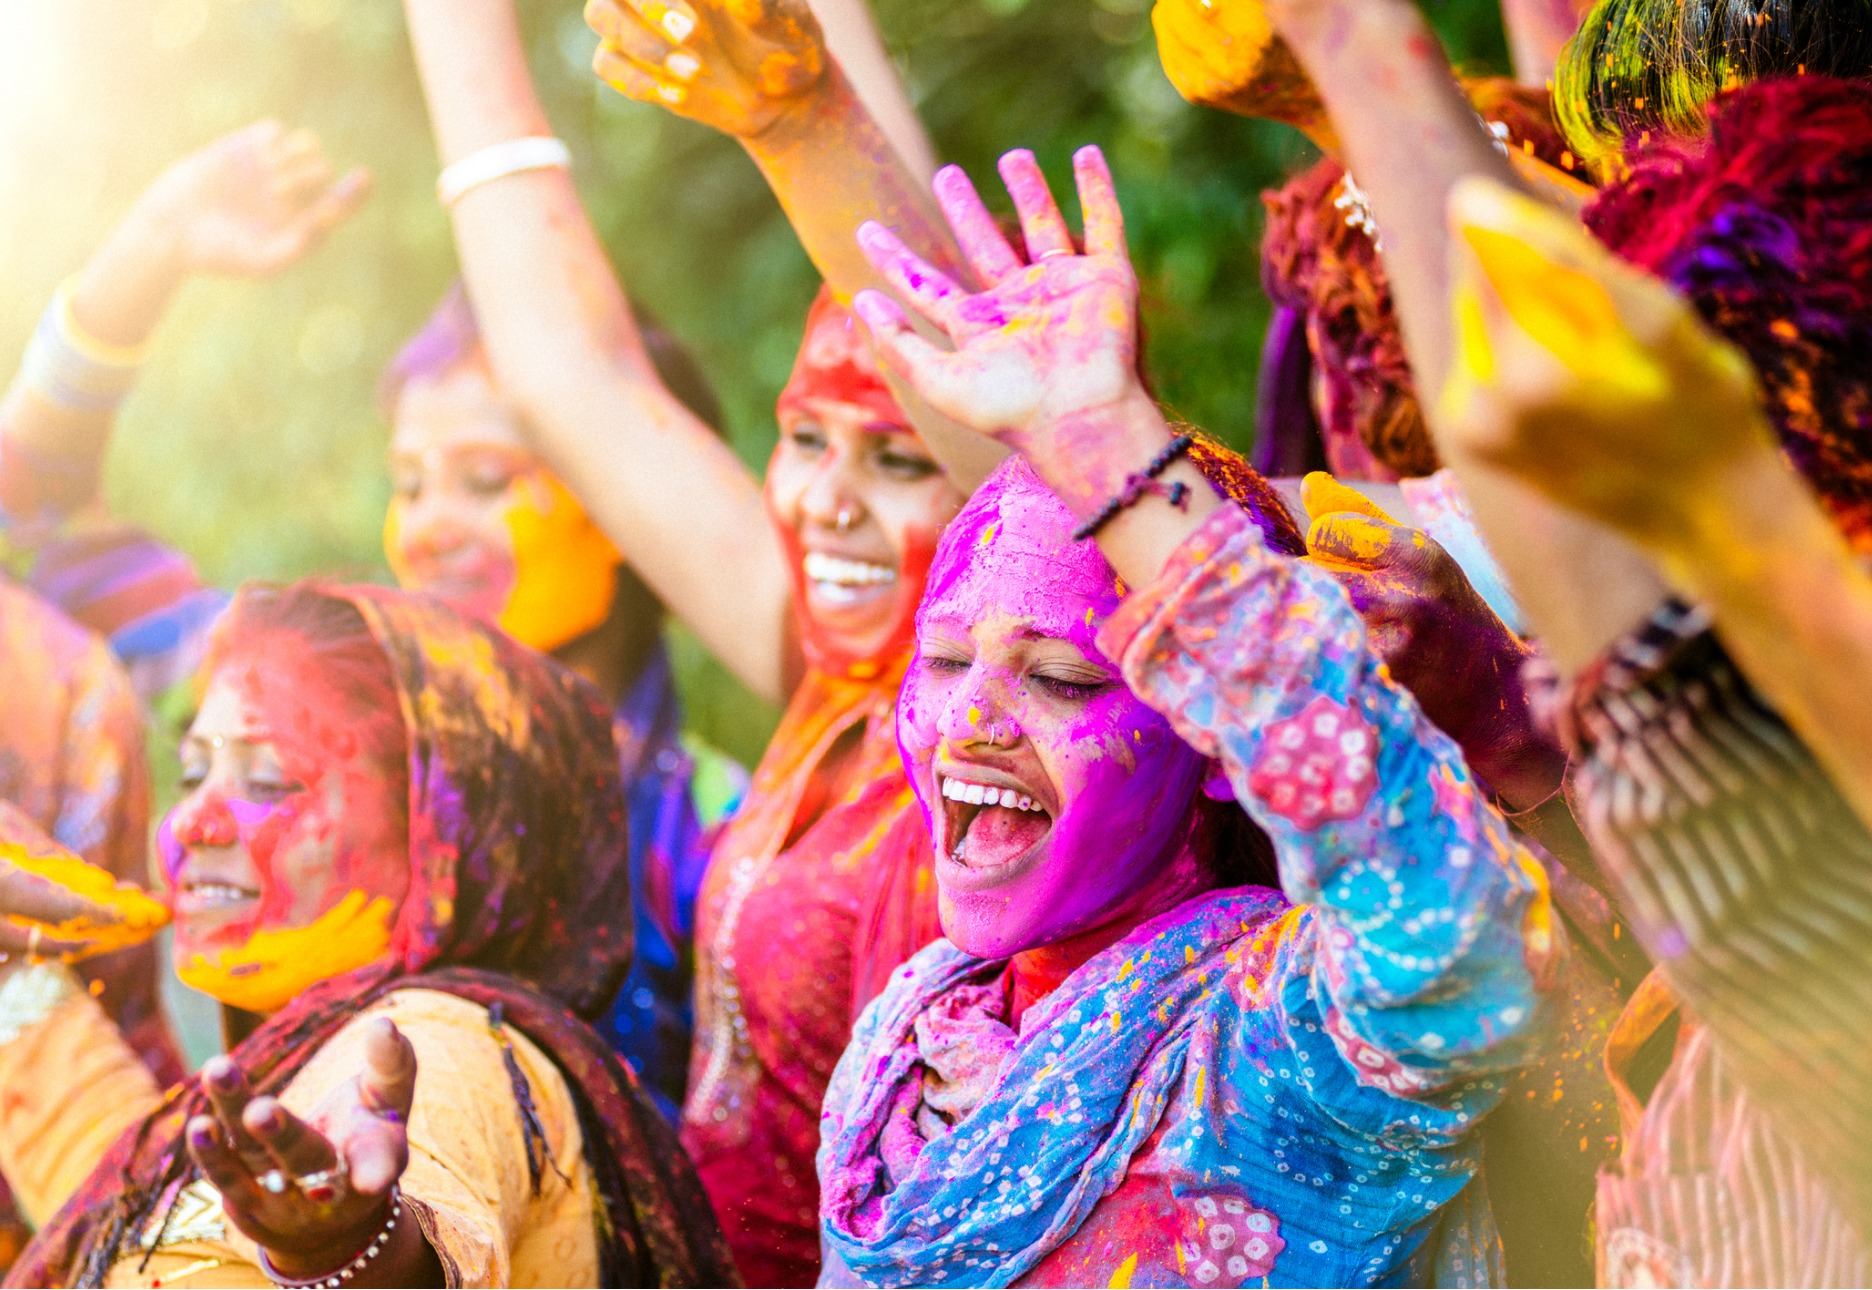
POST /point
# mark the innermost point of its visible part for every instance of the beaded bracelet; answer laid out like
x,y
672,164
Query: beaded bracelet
x,y
351,1267
1136,486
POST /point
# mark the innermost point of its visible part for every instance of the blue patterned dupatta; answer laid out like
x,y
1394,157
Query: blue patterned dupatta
x,y
1086,1084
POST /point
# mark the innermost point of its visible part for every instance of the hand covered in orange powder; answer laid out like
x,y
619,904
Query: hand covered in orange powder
x,y
1591,380
252,203
1226,54
1049,347
1436,634
736,65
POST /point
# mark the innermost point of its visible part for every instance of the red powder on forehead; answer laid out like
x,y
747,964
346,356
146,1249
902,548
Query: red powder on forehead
x,y
835,362
342,695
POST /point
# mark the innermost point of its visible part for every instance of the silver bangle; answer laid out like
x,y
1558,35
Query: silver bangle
x,y
343,1276
32,993
497,161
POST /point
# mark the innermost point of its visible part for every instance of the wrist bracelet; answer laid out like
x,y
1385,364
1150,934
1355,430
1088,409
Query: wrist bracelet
x,y
1136,486
67,366
499,160
351,1267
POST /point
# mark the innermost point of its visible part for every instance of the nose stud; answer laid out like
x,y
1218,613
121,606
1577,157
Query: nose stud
x,y
845,520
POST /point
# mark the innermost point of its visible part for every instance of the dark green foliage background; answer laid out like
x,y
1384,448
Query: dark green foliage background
x,y
254,442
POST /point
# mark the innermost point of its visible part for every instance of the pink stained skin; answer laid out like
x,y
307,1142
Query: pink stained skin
x,y
1009,690
1049,346
288,809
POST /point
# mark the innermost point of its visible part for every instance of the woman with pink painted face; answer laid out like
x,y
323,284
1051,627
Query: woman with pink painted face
x,y
397,822
1123,1065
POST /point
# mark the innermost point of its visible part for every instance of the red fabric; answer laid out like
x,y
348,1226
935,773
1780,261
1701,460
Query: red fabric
x,y
835,362
777,947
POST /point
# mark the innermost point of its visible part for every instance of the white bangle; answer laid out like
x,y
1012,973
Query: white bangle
x,y
499,160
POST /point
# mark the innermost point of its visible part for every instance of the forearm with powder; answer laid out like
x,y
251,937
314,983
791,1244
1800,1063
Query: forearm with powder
x,y
560,337
832,167
1791,603
1407,144
117,300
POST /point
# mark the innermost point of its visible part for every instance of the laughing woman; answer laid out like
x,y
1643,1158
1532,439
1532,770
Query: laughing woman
x,y
1123,1066
401,866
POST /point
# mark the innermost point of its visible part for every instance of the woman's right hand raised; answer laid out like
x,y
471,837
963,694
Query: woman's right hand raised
x,y
735,66
250,204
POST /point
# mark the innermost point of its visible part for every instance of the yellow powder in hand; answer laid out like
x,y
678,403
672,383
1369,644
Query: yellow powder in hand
x,y
139,915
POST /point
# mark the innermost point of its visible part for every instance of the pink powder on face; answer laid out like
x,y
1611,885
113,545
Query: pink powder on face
x,y
1007,586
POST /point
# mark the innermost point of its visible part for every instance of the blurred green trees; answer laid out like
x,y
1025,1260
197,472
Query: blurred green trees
x,y
255,443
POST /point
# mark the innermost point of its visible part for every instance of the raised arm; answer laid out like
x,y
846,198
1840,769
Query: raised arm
x,y
1408,135
248,205
673,497
762,73
1601,386
1436,925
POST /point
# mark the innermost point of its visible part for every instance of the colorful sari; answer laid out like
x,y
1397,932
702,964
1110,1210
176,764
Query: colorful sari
x,y
519,899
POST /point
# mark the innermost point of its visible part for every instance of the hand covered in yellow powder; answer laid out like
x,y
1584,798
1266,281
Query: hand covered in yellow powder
x,y
1591,380
736,65
54,905
252,203
1226,54
1436,634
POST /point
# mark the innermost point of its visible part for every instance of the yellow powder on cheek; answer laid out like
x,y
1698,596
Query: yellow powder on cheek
x,y
393,542
276,965
565,569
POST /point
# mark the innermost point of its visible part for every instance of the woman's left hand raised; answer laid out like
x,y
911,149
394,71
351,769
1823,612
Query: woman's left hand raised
x,y
1045,357
313,1193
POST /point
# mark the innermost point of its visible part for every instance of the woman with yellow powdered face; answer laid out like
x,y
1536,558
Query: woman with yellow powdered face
x,y
398,824
476,520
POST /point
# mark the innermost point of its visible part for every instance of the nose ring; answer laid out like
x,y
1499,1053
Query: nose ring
x,y
844,521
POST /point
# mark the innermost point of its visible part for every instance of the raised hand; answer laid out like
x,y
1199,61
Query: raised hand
x,y
1593,381
1436,634
736,65
1226,54
252,203
1050,346
310,1192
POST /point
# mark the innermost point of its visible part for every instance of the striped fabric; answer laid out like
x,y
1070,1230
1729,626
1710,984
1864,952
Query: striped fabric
x,y
1749,880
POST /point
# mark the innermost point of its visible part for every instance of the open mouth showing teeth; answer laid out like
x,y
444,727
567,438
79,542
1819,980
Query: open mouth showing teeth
x,y
213,895
842,581
986,825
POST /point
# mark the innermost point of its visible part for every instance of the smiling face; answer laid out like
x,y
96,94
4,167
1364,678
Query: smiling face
x,y
478,522
1054,795
856,498
289,856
